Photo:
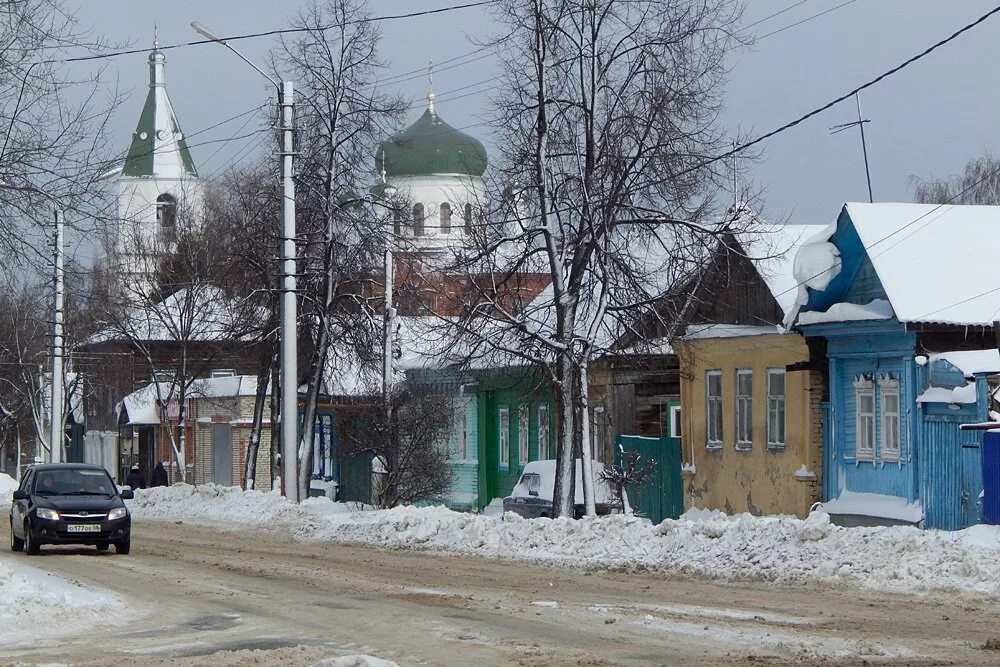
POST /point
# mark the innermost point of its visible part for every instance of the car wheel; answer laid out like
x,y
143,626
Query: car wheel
x,y
102,546
123,547
30,546
16,543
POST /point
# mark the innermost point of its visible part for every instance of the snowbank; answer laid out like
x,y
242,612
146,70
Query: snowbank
x,y
711,544
874,504
355,661
29,597
7,486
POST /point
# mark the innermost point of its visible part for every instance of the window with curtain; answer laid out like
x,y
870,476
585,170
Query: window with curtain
x,y
503,425
713,409
522,434
888,389
864,435
775,408
543,432
744,408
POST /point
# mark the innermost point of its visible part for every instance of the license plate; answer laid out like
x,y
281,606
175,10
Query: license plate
x,y
83,528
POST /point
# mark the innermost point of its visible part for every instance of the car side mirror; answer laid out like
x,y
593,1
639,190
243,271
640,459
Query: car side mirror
x,y
20,495
127,494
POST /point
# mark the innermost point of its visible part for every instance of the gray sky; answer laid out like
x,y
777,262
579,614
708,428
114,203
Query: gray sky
x,y
927,120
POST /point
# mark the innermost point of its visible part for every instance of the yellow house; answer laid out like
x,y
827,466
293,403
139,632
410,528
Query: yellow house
x,y
751,421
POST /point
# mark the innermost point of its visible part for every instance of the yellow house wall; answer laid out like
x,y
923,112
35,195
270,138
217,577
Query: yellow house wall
x,y
759,481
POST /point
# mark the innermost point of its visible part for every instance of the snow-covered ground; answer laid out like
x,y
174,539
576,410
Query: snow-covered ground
x,y
711,544
355,661
32,599
7,486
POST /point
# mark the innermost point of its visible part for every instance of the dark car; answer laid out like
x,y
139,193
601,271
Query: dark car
x,y
69,503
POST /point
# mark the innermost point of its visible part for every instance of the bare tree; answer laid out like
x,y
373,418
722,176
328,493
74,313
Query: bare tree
x,y
979,183
408,441
48,142
341,115
608,108
633,470
183,317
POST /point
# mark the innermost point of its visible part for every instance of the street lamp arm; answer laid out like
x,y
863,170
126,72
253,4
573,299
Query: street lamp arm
x,y
202,30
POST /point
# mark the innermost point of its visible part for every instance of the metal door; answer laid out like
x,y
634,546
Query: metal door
x,y
222,454
991,478
972,483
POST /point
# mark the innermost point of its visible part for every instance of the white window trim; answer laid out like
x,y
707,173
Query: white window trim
x,y
863,387
503,439
772,442
743,444
890,385
709,401
675,421
523,422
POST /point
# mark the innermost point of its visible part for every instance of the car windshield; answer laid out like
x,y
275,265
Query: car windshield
x,y
73,482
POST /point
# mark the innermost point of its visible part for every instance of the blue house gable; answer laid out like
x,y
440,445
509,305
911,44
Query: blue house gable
x,y
893,452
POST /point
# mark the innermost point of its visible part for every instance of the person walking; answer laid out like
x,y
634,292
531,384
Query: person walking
x,y
159,476
135,480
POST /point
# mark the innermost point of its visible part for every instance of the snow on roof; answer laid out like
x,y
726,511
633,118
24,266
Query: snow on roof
x,y
877,309
773,249
971,362
874,504
958,395
142,404
936,262
201,313
699,331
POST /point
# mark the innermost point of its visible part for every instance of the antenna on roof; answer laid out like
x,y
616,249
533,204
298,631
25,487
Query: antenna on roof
x,y
860,124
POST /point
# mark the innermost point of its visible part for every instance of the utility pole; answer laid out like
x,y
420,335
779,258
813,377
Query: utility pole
x,y
289,317
56,431
289,314
860,124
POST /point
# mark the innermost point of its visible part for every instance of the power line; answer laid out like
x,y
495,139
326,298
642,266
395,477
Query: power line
x,y
279,31
838,100
806,20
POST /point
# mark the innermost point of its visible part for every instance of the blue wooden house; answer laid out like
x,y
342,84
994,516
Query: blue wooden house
x,y
897,302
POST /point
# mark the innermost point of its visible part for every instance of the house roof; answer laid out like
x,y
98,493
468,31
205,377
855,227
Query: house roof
x,y
772,249
141,405
971,362
936,263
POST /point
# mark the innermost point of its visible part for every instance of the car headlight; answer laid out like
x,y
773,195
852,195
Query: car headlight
x,y
46,513
117,513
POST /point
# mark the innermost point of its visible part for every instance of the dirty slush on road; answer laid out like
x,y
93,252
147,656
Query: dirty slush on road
x,y
201,596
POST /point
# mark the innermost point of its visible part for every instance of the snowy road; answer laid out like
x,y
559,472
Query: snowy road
x,y
208,597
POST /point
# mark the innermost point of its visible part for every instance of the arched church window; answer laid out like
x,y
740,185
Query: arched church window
x,y
446,218
166,216
418,219
468,218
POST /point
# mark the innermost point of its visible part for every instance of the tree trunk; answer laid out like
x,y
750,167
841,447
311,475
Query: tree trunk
x,y
276,461
564,491
583,400
253,442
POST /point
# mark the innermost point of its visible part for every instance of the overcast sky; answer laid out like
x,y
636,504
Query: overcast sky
x,y
927,120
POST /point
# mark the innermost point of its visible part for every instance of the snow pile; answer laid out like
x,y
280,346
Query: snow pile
x,y
816,264
874,504
7,487
706,543
355,661
29,597
877,309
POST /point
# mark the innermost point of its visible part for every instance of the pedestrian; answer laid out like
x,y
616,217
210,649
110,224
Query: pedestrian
x,y
135,479
159,476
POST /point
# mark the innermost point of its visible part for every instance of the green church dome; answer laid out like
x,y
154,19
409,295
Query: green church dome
x,y
429,147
